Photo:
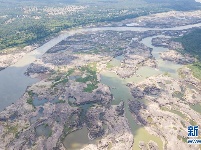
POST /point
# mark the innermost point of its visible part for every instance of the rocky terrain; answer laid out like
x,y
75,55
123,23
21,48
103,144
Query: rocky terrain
x,y
167,19
11,56
177,57
70,95
167,111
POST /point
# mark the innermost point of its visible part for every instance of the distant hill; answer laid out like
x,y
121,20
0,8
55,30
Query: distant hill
x,y
180,5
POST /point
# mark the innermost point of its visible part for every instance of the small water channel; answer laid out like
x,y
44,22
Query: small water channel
x,y
196,107
14,82
122,93
78,139
43,130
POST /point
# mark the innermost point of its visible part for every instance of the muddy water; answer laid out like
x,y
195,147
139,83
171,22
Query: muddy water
x,y
77,140
122,93
196,107
163,66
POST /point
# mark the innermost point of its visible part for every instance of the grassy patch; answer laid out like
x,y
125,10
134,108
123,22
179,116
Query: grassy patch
x,y
109,65
181,74
70,71
30,99
167,74
149,119
90,72
196,70
90,88
182,138
193,123
192,45
13,130
60,101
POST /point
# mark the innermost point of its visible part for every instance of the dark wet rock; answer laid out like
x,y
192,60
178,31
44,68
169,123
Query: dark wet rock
x,y
153,145
151,90
160,42
2,68
94,123
3,119
137,93
14,115
120,109
142,145
135,108
59,59
37,68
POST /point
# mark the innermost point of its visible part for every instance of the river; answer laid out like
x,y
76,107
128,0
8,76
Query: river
x,y
14,82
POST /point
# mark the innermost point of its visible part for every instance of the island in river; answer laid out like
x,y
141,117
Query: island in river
x,y
106,88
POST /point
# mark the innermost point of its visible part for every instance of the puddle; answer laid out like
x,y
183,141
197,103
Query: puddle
x,y
77,140
196,107
43,130
122,93
35,118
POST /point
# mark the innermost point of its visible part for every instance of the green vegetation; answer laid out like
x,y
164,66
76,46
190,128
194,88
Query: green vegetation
x,y
90,87
13,130
193,123
67,129
30,93
167,74
192,45
178,94
181,74
173,111
109,65
30,99
63,79
149,119
91,77
196,69
182,138
46,125
26,22
60,101
70,71
183,124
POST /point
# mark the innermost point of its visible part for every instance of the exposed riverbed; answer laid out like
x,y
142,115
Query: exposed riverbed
x,y
122,93
14,82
